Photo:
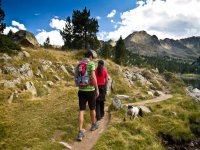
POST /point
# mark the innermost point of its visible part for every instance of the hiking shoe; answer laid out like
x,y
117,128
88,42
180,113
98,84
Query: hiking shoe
x,y
80,136
94,126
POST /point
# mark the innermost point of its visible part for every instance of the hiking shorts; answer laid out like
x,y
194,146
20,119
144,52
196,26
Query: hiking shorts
x,y
86,96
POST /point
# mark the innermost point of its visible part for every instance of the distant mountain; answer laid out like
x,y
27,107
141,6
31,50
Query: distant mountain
x,y
144,44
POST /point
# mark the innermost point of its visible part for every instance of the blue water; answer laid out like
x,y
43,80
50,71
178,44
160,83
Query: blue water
x,y
195,83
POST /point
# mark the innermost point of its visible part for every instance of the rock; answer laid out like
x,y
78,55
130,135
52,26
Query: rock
x,y
39,74
9,84
19,56
150,93
94,53
122,96
45,64
5,58
26,54
25,38
22,55
66,145
26,148
117,103
10,99
57,77
62,67
10,70
31,88
156,93
26,71
145,109
50,83
109,85
1,71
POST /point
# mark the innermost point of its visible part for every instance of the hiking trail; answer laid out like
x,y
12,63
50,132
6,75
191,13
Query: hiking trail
x,y
91,137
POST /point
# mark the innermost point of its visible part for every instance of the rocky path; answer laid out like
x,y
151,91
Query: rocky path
x,y
91,137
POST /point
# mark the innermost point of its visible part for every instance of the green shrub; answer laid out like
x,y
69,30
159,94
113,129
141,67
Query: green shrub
x,y
169,76
7,45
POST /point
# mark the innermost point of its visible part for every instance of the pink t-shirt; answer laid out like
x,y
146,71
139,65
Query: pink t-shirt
x,y
101,79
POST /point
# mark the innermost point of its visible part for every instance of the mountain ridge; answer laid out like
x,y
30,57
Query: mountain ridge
x,y
149,45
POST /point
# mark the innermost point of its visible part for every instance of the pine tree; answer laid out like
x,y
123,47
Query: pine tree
x,y
120,52
106,50
10,34
2,15
80,32
67,33
47,43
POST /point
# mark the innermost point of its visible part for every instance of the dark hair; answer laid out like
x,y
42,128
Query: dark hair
x,y
89,54
100,67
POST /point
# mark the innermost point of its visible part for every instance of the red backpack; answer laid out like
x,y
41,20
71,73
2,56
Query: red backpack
x,y
82,77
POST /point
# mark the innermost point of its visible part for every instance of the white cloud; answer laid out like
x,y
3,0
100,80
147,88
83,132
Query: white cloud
x,y
164,18
40,30
112,21
37,14
101,35
57,24
54,35
112,13
7,29
19,25
98,17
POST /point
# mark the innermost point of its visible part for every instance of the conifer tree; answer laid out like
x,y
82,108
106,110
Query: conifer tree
x,y
80,31
10,34
120,52
67,33
47,43
2,15
106,50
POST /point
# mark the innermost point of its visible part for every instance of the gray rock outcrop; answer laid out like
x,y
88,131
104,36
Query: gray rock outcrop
x,y
29,86
25,38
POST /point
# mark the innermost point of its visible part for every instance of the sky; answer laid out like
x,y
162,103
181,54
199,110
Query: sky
x,y
164,18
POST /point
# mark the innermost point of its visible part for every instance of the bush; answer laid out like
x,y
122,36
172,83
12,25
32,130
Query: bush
x,y
7,45
169,76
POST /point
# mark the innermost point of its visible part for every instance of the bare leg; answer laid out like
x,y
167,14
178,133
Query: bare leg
x,y
93,116
81,119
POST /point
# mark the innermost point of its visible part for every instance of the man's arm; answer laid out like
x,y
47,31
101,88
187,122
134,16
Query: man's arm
x,y
95,82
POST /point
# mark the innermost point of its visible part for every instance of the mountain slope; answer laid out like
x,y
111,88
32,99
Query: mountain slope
x,y
144,44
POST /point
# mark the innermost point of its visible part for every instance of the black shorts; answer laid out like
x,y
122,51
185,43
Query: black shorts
x,y
102,93
85,96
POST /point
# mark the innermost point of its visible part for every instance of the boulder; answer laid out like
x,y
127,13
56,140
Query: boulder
x,y
5,58
10,70
22,55
31,88
50,83
117,103
26,71
45,64
10,83
25,38
39,74
145,109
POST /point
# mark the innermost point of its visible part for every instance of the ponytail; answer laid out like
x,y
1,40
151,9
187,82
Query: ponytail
x,y
100,67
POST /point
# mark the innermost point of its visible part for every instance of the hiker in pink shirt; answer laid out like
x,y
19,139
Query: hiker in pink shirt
x,y
102,78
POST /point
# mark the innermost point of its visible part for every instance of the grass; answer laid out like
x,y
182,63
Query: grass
x,y
39,123
177,120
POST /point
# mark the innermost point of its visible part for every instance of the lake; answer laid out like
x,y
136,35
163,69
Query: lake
x,y
194,82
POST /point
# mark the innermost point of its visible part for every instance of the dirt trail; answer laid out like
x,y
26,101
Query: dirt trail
x,y
91,137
